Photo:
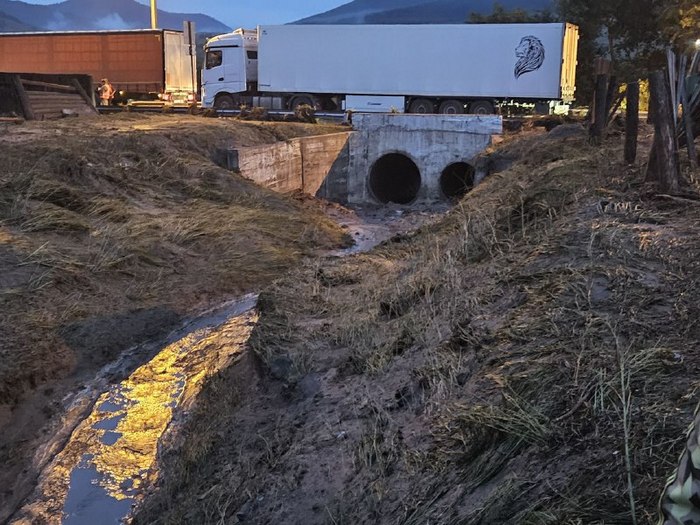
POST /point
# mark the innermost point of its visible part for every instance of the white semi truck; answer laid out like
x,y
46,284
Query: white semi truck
x,y
448,69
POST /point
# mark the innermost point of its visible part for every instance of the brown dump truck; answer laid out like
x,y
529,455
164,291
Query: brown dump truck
x,y
147,64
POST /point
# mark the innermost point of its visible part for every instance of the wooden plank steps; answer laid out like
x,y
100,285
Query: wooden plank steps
x,y
47,100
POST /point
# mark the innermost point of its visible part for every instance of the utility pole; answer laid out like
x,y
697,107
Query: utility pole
x,y
154,15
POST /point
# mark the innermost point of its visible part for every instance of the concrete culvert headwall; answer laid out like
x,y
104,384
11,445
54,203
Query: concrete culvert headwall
x,y
395,178
457,179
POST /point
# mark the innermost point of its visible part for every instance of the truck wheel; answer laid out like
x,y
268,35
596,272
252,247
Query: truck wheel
x,y
542,108
481,107
451,107
224,102
421,105
304,100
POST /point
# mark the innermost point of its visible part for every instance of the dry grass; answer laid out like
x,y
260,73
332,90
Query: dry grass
x,y
530,359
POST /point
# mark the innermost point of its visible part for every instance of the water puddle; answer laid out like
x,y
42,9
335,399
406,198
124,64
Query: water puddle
x,y
111,455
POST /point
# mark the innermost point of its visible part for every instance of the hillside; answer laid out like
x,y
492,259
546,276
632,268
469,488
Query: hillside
x,y
416,11
355,12
489,369
72,15
10,24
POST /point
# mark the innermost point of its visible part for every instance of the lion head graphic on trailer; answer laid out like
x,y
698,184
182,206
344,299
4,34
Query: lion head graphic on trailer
x,y
530,53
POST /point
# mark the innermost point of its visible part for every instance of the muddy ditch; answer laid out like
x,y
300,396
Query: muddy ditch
x,y
116,229
466,373
102,455
124,247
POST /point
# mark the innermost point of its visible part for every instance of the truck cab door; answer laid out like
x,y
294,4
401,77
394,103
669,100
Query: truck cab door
x,y
224,72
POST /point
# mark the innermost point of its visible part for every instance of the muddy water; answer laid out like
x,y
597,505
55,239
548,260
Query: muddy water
x,y
369,226
111,454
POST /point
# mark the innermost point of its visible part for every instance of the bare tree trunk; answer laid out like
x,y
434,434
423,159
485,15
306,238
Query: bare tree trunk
x,y
632,122
610,95
600,110
667,170
689,132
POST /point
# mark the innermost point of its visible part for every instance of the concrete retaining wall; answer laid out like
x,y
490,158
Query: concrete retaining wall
x,y
301,164
339,167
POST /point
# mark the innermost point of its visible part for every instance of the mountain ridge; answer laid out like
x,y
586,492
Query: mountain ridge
x,y
417,11
10,24
76,15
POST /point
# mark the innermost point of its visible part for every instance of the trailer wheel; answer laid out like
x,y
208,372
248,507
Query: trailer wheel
x,y
421,105
305,100
481,107
451,107
224,102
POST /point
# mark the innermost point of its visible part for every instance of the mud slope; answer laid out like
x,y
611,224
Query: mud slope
x,y
477,372
111,230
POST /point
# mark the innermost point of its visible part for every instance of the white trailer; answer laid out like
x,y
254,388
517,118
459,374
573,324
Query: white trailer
x,y
414,68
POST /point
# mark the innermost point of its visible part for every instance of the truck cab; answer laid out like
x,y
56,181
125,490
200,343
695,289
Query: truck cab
x,y
230,68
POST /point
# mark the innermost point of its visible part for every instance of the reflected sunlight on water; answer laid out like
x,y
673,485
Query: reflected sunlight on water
x,y
111,455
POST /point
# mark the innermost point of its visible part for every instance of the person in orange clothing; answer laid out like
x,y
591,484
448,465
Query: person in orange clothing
x,y
106,92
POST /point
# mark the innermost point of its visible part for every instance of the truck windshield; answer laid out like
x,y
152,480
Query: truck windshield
x,y
214,58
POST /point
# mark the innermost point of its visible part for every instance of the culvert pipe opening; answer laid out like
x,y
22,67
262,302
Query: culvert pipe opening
x,y
457,180
395,178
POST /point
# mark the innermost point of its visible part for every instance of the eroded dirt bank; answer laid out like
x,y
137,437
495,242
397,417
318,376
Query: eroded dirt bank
x,y
478,371
114,229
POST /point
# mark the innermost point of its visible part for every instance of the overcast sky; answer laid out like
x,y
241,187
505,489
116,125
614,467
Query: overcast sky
x,y
243,13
